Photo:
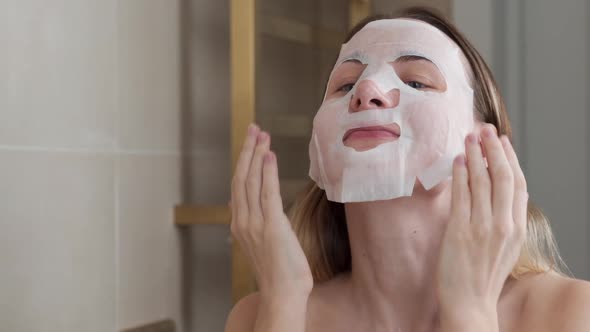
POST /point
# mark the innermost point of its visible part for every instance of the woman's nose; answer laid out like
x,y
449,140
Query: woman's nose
x,y
368,96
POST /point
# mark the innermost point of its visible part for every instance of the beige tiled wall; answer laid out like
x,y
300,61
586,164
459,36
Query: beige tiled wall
x,y
57,243
89,164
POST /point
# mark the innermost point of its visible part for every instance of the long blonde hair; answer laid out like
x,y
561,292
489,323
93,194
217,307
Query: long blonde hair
x,y
321,226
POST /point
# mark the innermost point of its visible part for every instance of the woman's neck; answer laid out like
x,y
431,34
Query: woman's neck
x,y
394,246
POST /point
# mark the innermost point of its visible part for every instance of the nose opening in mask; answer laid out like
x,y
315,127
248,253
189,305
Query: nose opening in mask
x,y
369,95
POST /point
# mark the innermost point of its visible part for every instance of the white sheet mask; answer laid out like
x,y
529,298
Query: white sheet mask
x,y
432,124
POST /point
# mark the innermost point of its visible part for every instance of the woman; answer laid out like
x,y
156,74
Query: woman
x,y
467,254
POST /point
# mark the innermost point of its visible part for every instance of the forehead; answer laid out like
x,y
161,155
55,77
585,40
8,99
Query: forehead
x,y
399,35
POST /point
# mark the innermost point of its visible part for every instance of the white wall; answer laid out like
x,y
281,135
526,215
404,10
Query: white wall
x,y
89,164
539,50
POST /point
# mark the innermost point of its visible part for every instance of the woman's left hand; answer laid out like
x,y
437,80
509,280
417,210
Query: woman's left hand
x,y
485,234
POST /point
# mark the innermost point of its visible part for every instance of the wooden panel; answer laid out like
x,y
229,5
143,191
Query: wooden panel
x,y
243,84
243,81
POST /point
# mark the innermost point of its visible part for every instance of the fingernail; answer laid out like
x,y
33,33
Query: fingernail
x,y
252,129
471,139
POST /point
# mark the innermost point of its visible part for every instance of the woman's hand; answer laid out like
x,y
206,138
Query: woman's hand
x,y
260,225
485,234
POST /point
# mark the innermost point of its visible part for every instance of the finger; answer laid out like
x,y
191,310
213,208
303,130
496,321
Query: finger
x,y
238,193
272,205
254,181
461,197
500,173
479,181
521,196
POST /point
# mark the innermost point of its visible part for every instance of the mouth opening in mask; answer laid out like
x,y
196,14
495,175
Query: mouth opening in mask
x,y
366,138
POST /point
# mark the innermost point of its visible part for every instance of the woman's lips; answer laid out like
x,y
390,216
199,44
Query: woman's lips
x,y
385,133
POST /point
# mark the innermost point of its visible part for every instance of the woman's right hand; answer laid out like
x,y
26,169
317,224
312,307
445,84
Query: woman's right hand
x,y
261,226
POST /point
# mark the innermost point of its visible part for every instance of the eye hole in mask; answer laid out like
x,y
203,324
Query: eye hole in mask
x,y
415,71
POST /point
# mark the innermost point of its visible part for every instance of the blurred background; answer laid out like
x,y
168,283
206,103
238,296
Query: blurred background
x,y
114,112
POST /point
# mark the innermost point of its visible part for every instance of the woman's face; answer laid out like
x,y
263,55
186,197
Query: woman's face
x,y
397,107
415,71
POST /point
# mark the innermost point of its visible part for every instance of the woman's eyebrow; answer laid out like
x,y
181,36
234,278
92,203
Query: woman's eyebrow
x,y
407,58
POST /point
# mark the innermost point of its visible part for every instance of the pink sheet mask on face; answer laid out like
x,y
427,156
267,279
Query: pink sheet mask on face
x,y
432,124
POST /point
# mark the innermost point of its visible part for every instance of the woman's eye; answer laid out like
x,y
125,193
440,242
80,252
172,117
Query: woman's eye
x,y
416,85
346,87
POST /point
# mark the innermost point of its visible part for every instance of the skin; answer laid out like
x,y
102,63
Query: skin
x,y
456,244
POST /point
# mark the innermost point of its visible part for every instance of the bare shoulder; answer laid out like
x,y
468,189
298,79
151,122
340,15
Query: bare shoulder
x,y
558,303
243,315
326,303
571,305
